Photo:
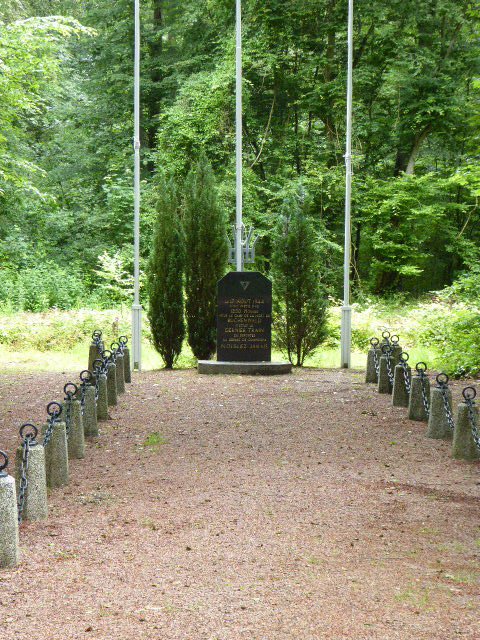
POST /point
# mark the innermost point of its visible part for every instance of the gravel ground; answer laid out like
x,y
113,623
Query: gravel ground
x,y
301,507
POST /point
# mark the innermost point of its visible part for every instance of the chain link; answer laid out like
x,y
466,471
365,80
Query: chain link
x,y
376,362
388,353
51,422
426,401
406,377
446,403
23,476
473,421
83,391
67,405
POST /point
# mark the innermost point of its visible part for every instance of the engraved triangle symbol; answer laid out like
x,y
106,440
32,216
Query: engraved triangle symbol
x,y
245,285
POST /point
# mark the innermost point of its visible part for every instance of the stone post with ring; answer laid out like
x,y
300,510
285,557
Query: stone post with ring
x,y
385,372
111,378
440,419
466,434
56,447
9,542
402,382
74,422
119,367
89,403
123,340
419,405
96,348
101,393
373,361
31,476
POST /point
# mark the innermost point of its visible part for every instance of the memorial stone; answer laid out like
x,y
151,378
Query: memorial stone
x,y
244,318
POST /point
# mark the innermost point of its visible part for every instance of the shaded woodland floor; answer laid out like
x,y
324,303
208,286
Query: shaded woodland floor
x,y
219,508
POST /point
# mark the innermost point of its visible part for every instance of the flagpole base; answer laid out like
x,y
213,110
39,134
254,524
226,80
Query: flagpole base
x,y
346,337
137,336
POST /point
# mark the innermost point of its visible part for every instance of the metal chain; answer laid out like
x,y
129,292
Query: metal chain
x,y
473,421
376,361
49,431
68,412
23,476
426,401
388,353
52,421
83,391
406,377
448,411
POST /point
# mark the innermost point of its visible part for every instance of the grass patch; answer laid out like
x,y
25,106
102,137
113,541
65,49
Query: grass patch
x,y
154,440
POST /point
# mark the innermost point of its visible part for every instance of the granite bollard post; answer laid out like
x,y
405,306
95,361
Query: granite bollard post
x,y
120,373
95,348
112,385
402,382
374,354
90,424
419,395
439,425
76,434
102,400
119,368
385,373
9,541
384,385
463,446
56,448
35,505
126,358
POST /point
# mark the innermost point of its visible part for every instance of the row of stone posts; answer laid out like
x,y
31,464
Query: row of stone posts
x,y
387,366
42,465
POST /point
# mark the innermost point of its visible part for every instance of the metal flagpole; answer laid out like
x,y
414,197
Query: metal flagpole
x,y
137,307
238,130
346,330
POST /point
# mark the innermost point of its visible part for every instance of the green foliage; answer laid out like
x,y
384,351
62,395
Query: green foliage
x,y
60,330
206,257
166,275
66,126
455,336
40,288
300,299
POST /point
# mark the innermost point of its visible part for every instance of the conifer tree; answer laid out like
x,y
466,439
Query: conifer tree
x,y
166,275
206,257
299,297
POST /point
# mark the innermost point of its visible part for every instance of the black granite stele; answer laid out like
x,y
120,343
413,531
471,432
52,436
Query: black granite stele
x,y
244,318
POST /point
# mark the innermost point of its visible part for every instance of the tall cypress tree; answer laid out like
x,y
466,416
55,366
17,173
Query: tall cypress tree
x,y
206,257
166,275
299,295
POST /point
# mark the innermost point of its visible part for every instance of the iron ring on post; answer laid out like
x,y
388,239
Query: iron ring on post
x,y
404,356
105,356
31,436
395,339
86,375
386,334
123,340
97,364
97,334
54,409
4,464
374,342
469,393
115,346
385,349
442,379
421,367
68,386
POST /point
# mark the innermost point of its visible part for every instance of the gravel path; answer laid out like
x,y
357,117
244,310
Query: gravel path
x,y
301,508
